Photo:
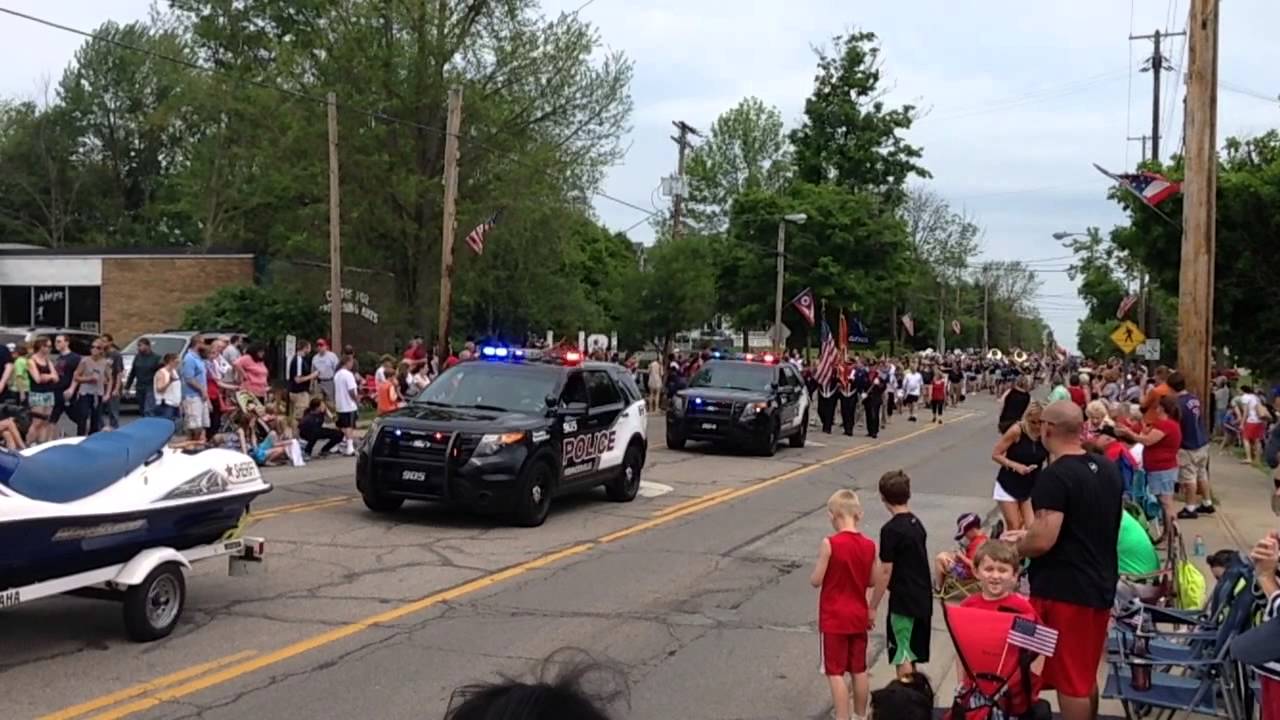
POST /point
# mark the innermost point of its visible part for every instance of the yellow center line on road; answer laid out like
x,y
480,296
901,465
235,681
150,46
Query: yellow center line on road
x,y
226,674
76,711
691,501
301,507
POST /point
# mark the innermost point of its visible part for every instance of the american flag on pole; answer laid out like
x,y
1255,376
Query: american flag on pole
x,y
909,324
804,303
1032,636
1125,305
1152,188
475,239
828,357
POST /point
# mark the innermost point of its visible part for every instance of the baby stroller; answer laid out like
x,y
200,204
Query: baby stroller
x,y
998,683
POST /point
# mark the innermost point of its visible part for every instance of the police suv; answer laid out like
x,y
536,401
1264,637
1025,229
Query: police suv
x,y
507,433
750,400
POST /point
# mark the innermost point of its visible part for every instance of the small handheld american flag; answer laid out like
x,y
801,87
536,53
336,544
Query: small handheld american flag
x,y
1037,638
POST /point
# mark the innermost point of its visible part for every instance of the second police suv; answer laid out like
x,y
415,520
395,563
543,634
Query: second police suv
x,y
750,401
507,433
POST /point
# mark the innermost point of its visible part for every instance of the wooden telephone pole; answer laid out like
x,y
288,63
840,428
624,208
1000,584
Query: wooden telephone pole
x,y
450,213
1155,64
335,231
678,192
1199,189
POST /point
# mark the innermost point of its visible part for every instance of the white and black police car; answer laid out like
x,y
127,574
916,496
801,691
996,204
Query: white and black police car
x,y
507,433
747,400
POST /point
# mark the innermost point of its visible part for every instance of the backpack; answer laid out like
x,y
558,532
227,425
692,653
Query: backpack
x,y
1271,451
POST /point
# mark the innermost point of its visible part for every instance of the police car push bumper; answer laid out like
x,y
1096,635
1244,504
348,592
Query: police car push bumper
x,y
698,418
486,479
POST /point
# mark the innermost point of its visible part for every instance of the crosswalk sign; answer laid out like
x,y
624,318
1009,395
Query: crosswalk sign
x,y
1128,337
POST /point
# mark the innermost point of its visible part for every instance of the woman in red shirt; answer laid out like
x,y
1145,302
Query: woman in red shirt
x,y
938,395
1161,440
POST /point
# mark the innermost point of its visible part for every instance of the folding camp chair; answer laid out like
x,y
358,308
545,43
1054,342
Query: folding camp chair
x,y
998,683
1208,685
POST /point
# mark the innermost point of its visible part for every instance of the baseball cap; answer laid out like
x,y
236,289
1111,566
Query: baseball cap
x,y
966,522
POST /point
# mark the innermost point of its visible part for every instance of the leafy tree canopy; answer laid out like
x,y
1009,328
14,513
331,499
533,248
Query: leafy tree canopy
x,y
263,314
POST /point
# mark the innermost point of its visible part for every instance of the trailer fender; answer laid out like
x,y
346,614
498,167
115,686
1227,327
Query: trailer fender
x,y
137,569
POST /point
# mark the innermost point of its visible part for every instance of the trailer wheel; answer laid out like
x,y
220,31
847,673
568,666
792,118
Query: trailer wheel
x,y
152,609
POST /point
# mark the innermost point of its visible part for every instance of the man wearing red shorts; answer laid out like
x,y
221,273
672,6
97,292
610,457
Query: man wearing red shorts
x,y
1074,567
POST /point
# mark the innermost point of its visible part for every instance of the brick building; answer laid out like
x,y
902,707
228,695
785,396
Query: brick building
x,y
125,292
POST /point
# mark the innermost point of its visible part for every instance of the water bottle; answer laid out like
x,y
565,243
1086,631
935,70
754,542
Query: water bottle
x,y
1199,546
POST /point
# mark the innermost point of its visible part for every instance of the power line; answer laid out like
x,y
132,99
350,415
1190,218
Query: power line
x,y
305,97
1031,98
1128,113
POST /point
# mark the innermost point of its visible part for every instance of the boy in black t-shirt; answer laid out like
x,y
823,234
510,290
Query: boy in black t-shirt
x,y
904,571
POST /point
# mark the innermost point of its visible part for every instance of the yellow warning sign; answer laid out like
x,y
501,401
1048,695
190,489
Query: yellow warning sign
x,y
1128,337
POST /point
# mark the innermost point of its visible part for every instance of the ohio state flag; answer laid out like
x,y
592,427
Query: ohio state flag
x,y
804,303
955,326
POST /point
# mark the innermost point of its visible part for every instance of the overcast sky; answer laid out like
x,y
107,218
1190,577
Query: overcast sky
x,y
1020,97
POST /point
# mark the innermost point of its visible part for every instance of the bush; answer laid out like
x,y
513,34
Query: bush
x,y
264,314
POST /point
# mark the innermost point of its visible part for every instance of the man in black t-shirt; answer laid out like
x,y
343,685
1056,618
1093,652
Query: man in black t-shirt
x,y
1074,567
66,364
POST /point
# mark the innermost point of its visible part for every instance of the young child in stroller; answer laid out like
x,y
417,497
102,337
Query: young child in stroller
x,y
996,679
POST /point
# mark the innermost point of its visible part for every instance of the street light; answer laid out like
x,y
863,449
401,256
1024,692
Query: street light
x,y
798,219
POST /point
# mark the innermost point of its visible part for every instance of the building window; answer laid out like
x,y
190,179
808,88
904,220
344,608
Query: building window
x,y
51,305
15,305
84,308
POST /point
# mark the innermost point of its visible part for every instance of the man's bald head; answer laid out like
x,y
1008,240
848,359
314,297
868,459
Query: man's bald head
x,y
1064,416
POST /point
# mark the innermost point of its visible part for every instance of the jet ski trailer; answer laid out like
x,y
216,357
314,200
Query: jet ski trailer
x,y
152,586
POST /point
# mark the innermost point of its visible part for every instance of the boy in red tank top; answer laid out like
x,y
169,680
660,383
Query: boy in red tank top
x,y
843,575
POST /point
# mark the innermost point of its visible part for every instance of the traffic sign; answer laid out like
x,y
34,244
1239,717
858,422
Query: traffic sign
x,y
1150,349
779,334
1128,337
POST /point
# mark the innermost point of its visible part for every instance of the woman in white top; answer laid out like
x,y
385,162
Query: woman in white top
x,y
168,388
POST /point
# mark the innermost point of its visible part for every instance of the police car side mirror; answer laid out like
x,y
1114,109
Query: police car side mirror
x,y
572,410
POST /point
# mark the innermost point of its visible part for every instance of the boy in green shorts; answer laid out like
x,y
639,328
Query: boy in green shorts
x,y
904,572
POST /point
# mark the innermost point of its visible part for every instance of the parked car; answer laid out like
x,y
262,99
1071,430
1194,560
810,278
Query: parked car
x,y
81,340
162,343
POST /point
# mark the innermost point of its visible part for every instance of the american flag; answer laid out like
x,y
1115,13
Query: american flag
x,y
475,239
1152,188
1125,305
1037,638
828,357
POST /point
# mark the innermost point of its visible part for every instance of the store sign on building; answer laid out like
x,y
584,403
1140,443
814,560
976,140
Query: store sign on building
x,y
354,302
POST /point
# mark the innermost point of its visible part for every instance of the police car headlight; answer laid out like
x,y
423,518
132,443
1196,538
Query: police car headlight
x,y
754,408
491,444
678,403
370,435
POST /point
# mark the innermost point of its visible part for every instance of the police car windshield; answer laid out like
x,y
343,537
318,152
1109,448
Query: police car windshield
x,y
735,376
492,386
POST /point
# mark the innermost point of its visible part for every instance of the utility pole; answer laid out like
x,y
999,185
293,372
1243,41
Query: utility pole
x,y
450,212
1143,139
986,319
778,342
335,230
681,140
1199,189
1156,64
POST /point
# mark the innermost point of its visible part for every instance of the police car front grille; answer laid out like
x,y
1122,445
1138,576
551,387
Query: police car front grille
x,y
716,409
417,446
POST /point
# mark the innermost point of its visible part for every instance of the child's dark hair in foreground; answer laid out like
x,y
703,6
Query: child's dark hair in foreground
x,y
908,698
570,686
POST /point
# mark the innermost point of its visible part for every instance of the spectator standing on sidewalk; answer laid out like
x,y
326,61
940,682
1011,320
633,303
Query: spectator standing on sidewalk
x,y
325,365
347,399
1074,565
904,571
1151,400
1193,455
90,386
20,381
112,396
300,374
44,388
1161,440
655,384
166,389
223,382
253,372
1254,415
65,363
195,391
143,372
232,352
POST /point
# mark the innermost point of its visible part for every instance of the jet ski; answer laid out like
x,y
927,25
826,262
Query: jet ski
x,y
83,503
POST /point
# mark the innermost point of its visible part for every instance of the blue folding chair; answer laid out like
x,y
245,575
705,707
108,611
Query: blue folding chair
x,y
1209,685
1174,634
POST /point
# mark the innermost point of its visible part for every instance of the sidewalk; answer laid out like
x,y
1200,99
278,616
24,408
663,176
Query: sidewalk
x,y
1243,498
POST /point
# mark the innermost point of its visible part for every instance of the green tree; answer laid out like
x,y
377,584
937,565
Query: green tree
x,y
943,243
674,292
746,149
263,314
849,136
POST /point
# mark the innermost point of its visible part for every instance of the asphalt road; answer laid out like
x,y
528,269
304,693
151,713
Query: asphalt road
x,y
700,594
